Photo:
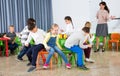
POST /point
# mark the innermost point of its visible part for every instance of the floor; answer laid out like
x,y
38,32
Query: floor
x,y
106,64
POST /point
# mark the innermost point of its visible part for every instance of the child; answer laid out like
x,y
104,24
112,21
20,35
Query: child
x,y
87,51
24,35
50,43
75,44
11,35
69,25
38,36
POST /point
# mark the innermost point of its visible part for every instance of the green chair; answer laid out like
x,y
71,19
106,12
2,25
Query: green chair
x,y
2,46
18,41
100,41
72,57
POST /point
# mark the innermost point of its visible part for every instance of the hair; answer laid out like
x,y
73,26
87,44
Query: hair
x,y
52,27
86,29
11,26
70,19
31,21
106,7
88,24
31,26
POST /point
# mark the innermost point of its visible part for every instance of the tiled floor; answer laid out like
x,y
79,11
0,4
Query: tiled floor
x,y
107,64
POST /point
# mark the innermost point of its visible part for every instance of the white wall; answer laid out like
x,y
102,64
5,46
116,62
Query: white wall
x,y
82,11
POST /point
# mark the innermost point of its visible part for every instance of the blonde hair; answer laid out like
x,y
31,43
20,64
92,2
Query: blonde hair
x,y
52,27
88,24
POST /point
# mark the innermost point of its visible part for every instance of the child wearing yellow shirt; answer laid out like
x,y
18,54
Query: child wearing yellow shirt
x,y
50,44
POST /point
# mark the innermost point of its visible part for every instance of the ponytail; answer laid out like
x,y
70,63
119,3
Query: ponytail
x,y
69,18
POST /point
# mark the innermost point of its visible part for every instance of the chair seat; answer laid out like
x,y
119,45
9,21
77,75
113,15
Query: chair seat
x,y
113,40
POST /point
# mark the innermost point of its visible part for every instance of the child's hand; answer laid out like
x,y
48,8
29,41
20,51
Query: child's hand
x,y
112,17
26,45
61,30
47,48
13,42
89,45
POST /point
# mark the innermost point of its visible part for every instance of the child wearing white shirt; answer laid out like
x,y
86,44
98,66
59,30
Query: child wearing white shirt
x,y
38,36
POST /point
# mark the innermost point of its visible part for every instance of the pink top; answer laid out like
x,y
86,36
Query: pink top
x,y
102,16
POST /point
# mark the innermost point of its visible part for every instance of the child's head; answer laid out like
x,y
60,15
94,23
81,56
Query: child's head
x,y
11,28
86,30
88,24
31,21
68,20
32,28
103,5
54,29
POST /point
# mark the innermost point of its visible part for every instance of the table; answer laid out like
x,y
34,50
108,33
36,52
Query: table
x,y
6,45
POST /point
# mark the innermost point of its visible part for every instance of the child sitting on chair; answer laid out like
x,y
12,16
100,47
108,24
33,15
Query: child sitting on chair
x,y
11,35
50,43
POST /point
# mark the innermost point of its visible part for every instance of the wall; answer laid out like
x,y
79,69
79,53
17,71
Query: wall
x,y
82,11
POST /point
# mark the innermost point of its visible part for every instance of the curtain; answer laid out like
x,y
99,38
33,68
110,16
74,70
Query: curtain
x,y
16,12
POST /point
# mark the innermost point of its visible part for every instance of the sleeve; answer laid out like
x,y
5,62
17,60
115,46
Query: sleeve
x,y
97,15
47,37
29,39
43,32
57,42
107,16
81,44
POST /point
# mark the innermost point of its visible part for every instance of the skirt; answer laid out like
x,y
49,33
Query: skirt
x,y
102,30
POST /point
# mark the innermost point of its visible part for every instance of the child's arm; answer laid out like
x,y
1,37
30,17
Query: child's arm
x,y
5,36
81,44
47,37
57,42
28,40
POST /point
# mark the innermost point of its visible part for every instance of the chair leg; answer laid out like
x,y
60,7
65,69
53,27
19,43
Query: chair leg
x,y
117,46
50,63
43,58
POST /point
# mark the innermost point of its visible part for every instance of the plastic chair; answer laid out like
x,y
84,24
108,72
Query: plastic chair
x,y
114,38
42,55
100,41
18,41
2,46
72,59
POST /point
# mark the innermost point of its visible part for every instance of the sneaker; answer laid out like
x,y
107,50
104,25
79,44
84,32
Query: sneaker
x,y
29,64
68,66
31,68
103,49
19,59
45,66
83,67
97,50
89,60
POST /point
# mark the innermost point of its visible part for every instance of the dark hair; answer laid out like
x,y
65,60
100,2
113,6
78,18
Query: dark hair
x,y
106,7
86,29
69,18
31,26
11,26
31,21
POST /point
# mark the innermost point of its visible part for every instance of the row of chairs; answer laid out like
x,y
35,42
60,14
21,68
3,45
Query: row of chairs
x,y
112,38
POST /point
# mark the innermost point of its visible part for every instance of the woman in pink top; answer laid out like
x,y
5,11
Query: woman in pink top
x,y
102,27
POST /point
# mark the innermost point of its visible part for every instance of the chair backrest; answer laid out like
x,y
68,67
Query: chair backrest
x,y
115,36
62,42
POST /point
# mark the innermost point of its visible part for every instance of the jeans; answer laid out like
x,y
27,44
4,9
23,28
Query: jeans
x,y
33,52
76,49
12,47
51,52
23,51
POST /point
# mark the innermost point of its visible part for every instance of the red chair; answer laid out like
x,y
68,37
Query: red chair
x,y
114,38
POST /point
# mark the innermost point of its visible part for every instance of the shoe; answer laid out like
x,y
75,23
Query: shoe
x,y
89,60
29,64
83,67
45,66
31,68
103,49
19,59
97,50
68,66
